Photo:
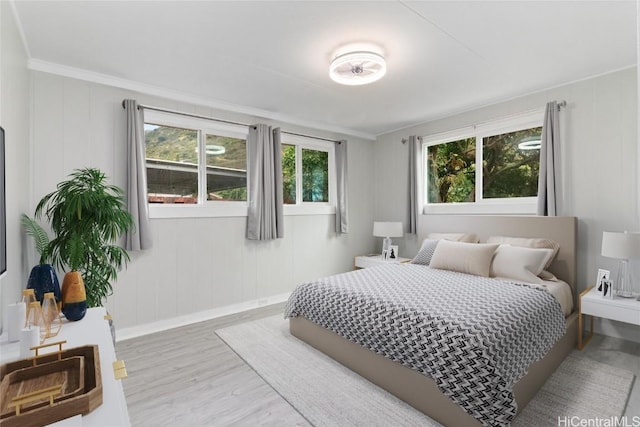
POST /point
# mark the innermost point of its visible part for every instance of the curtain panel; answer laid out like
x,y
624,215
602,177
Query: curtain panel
x,y
549,161
265,219
342,221
139,237
415,157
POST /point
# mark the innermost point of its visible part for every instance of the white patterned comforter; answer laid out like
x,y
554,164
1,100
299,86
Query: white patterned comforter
x,y
474,336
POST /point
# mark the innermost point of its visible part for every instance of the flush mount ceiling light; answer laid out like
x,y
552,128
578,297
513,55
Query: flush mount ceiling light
x,y
357,68
530,143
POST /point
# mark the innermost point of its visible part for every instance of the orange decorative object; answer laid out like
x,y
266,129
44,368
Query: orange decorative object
x,y
74,296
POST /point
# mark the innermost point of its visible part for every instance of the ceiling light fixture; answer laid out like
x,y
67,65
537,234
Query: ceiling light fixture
x,y
530,143
357,68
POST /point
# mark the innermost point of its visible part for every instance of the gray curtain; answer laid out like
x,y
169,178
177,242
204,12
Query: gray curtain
x,y
139,237
415,149
265,220
342,221
549,161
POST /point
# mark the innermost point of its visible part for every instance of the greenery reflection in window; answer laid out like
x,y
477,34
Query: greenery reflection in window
x,y
510,165
172,164
226,168
315,176
451,171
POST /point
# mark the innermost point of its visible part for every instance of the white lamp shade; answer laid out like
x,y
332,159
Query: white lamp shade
x,y
387,229
621,245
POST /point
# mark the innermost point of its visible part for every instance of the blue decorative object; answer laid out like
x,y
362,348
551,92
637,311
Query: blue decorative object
x,y
43,279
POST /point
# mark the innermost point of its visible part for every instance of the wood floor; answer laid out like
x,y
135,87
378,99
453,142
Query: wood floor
x,y
188,377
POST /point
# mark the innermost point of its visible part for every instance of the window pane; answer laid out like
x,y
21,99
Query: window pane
x,y
451,171
289,174
315,176
510,164
226,168
172,164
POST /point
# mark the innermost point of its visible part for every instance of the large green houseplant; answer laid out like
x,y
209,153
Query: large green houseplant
x,y
87,216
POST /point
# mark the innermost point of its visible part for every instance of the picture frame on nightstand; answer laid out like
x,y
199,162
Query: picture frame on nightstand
x,y
392,253
603,285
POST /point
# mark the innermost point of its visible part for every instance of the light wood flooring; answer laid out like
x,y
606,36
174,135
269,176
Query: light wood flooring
x,y
188,377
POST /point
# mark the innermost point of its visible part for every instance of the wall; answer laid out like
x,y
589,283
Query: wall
x,y
198,267
599,160
14,118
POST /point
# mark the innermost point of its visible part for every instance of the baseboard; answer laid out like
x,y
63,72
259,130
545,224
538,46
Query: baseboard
x,y
614,329
201,316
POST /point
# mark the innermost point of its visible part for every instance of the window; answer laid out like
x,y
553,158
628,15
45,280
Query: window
x,y
489,168
307,175
195,162
198,168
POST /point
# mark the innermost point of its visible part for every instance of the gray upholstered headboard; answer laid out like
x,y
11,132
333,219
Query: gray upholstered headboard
x,y
562,229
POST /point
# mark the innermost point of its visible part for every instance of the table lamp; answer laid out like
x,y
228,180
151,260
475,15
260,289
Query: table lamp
x,y
623,246
387,230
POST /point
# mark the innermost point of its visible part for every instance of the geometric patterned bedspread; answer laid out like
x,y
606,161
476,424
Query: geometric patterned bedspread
x,y
474,336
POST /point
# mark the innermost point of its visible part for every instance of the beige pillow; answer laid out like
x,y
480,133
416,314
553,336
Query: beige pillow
x,y
470,258
520,263
455,237
537,243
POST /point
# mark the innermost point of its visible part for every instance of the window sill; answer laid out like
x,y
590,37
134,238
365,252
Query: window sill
x,y
232,209
519,207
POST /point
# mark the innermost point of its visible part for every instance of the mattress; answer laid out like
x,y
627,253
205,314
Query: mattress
x,y
474,336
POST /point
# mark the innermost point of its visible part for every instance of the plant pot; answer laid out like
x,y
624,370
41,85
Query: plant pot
x,y
74,296
43,279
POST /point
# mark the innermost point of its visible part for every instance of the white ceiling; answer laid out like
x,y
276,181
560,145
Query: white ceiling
x,y
271,58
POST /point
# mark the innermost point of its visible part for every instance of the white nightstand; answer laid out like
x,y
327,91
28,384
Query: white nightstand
x,y
621,309
366,261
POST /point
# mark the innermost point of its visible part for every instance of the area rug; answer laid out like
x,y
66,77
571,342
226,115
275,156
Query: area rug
x,y
328,394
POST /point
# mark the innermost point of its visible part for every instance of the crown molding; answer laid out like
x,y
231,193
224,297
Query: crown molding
x,y
108,80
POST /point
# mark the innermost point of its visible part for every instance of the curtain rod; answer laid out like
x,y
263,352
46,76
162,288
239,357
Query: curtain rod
x,y
561,104
197,116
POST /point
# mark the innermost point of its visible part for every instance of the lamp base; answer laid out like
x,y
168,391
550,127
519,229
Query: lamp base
x,y
386,245
623,281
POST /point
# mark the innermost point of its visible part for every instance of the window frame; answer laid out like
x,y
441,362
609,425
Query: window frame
x,y
311,208
210,208
511,205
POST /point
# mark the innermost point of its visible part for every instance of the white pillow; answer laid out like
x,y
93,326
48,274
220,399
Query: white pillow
x,y
455,237
470,258
537,243
520,263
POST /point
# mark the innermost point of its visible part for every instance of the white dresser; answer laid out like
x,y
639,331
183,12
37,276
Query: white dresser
x,y
92,329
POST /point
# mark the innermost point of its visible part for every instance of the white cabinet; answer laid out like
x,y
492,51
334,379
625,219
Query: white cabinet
x,y
620,309
92,329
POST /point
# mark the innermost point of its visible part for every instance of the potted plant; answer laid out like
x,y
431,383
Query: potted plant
x,y
87,216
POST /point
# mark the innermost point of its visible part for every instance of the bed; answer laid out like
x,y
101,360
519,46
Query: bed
x,y
424,390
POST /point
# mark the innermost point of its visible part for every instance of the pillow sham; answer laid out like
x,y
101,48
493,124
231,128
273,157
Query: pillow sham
x,y
536,243
520,263
470,258
455,237
424,255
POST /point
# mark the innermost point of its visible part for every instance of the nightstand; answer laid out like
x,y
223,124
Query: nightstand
x,y
593,304
366,261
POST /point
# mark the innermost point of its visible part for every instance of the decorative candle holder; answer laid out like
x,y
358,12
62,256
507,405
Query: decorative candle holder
x,y
28,297
34,318
51,315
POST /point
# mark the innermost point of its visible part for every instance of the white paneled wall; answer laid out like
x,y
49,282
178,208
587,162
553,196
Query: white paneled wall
x,y
197,264
14,118
599,160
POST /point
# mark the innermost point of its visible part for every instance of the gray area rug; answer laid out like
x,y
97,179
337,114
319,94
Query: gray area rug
x,y
328,394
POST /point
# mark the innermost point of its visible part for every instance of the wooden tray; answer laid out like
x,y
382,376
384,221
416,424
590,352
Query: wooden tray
x,y
81,395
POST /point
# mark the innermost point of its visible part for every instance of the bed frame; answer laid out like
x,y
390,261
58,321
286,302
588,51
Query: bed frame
x,y
421,391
